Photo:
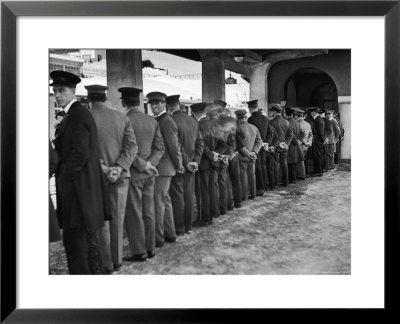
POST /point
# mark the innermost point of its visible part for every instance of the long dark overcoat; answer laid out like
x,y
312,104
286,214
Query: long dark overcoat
x,y
80,183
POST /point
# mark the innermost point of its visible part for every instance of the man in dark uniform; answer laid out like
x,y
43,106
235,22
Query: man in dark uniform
x,y
252,144
170,164
295,154
118,148
282,137
318,129
266,132
209,157
81,193
140,216
182,185
227,126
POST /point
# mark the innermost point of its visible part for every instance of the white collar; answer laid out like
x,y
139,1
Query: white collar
x,y
163,112
66,108
315,116
201,117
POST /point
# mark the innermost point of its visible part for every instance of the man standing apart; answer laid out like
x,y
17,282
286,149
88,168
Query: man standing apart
x,y
252,144
139,218
266,132
283,136
318,129
81,197
332,139
338,153
118,148
170,164
182,185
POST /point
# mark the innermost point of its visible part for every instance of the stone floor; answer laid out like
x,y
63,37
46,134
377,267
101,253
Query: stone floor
x,y
300,229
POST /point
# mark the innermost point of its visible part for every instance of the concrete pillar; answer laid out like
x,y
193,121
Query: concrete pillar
x,y
345,118
213,75
124,69
258,83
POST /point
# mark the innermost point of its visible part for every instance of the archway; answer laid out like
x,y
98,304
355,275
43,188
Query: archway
x,y
311,87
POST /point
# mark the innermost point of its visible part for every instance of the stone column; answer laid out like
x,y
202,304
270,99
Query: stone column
x,y
345,118
124,69
213,75
258,83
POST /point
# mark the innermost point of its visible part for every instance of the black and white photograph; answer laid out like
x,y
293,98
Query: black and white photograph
x,y
199,161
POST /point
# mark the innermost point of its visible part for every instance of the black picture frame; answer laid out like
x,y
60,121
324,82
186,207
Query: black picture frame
x,y
10,10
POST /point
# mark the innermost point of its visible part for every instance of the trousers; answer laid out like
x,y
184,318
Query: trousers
x,y
111,240
181,192
140,218
165,226
203,195
281,168
261,171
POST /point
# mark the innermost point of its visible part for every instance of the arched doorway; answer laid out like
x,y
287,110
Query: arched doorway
x,y
311,87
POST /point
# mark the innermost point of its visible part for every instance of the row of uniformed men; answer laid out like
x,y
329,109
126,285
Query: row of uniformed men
x,y
152,166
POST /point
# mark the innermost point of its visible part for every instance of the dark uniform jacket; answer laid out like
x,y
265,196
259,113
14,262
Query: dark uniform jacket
x,y
295,154
171,160
190,138
263,124
252,141
229,128
282,131
318,129
149,140
81,187
209,144
117,141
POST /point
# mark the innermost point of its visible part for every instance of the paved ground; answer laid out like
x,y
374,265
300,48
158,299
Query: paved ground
x,y
300,229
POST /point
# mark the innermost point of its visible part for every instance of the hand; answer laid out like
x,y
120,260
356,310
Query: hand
x,y
181,170
326,141
193,166
150,169
215,156
112,174
225,159
265,146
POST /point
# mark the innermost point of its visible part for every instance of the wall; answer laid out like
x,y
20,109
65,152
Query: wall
x,y
337,64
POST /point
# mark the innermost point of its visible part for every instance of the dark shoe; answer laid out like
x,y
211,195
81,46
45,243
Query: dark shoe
x,y
316,174
117,267
271,188
210,222
222,213
159,244
108,271
151,254
230,208
180,233
251,197
260,194
170,239
238,205
301,178
292,182
198,224
135,258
